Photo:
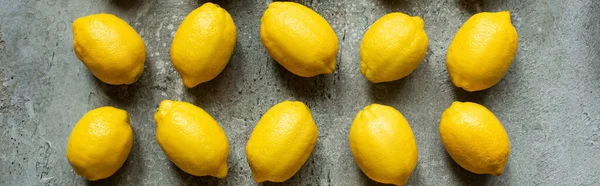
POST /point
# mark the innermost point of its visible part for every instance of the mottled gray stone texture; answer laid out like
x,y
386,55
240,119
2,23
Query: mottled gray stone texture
x,y
549,101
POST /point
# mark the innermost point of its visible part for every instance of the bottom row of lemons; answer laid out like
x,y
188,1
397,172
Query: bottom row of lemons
x,y
381,141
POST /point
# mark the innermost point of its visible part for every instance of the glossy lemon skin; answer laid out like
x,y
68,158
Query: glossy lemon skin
x,y
110,49
203,44
393,47
299,39
100,143
475,138
191,139
482,51
281,142
383,145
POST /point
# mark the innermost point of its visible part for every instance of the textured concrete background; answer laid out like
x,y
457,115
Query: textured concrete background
x,y
549,101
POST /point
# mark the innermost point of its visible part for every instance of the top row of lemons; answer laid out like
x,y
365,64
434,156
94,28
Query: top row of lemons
x,y
301,41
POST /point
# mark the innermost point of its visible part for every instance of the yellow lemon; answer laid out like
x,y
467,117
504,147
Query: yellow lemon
x,y
474,138
281,142
383,144
203,44
109,48
191,139
482,51
100,143
393,47
299,39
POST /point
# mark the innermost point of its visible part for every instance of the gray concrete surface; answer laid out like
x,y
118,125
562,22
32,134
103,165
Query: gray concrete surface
x,y
549,101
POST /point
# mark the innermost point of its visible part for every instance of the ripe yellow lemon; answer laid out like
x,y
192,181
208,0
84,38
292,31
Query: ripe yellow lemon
x,y
203,44
383,144
109,48
474,138
281,142
299,39
482,51
100,143
393,47
191,139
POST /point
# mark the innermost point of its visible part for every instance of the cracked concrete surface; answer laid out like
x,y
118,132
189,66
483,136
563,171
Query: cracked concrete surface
x,y
549,101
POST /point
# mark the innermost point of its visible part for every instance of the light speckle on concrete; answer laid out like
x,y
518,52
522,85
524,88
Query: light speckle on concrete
x,y
549,101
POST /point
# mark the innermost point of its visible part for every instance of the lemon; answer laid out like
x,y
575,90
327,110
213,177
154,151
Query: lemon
x,y
383,144
100,143
393,47
281,142
482,51
474,138
109,48
191,139
203,44
299,39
